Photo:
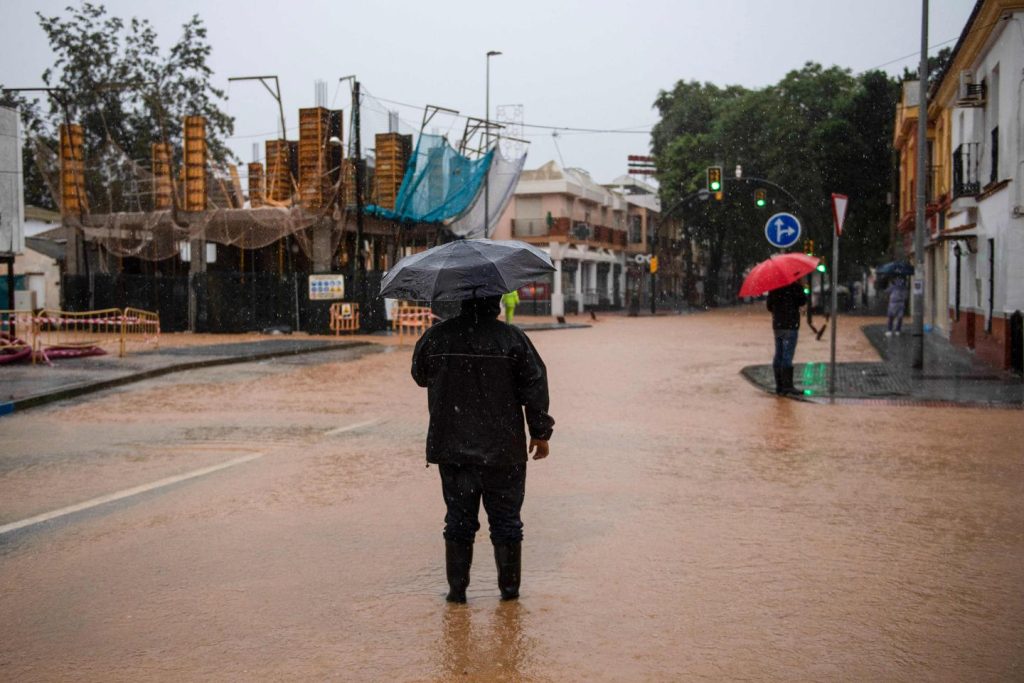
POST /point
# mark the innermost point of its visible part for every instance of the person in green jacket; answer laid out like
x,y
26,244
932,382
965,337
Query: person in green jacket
x,y
510,299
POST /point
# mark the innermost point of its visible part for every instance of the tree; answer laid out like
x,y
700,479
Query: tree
x,y
819,130
127,94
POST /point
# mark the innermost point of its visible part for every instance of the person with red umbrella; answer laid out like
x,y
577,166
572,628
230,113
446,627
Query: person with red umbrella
x,y
780,276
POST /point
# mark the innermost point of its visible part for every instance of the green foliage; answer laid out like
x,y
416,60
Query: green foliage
x,y
117,83
818,131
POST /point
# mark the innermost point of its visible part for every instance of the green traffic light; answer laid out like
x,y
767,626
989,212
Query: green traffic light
x,y
715,186
821,268
761,202
807,290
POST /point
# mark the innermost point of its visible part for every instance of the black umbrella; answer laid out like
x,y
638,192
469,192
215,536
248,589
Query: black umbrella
x,y
897,268
466,269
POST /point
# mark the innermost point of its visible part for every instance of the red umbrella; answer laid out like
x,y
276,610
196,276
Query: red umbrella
x,y
778,271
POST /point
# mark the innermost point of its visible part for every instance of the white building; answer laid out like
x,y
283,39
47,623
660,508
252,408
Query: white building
x,y
980,237
582,226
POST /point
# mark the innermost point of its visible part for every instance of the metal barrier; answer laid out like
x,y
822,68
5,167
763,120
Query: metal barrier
x,y
69,331
79,330
344,318
17,334
139,327
411,320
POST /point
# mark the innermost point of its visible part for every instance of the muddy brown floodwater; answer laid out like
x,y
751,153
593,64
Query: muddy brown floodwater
x,y
686,527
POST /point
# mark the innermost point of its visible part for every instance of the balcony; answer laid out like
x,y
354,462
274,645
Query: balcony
x,y
530,227
565,229
965,170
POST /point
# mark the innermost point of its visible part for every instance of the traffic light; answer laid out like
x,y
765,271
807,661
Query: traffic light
x,y
760,198
654,264
715,179
822,267
809,247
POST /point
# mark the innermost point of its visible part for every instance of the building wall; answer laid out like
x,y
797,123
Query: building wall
x,y
991,224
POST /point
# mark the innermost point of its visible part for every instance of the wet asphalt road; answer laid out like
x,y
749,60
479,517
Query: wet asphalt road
x,y
276,521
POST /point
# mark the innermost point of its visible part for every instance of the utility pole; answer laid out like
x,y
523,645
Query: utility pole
x,y
358,275
922,192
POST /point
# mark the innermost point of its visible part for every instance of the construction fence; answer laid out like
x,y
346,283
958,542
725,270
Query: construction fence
x,y
53,333
226,302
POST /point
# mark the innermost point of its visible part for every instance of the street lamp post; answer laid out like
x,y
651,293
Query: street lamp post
x,y
487,142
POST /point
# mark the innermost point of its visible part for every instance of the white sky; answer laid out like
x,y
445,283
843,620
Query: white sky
x,y
591,64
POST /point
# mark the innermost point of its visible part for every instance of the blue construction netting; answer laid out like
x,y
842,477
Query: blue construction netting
x,y
439,183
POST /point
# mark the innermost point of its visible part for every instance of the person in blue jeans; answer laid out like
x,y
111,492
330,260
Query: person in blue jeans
x,y
784,304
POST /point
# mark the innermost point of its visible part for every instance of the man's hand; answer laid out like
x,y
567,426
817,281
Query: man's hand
x,y
538,448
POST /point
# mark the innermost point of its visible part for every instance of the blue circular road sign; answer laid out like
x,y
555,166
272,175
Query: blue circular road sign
x,y
782,230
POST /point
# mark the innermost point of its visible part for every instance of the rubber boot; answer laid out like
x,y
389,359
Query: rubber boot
x,y
508,558
779,387
458,557
787,381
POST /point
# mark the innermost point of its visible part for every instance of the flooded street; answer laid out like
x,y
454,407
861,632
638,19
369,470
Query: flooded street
x,y
685,527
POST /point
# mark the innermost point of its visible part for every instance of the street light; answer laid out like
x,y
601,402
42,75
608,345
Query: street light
x,y
487,142
275,93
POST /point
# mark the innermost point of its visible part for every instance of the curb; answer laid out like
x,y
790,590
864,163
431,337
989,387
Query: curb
x,y
92,387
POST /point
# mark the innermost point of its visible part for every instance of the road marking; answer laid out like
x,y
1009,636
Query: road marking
x,y
352,428
126,493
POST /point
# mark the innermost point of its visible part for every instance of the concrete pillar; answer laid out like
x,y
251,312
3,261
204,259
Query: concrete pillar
x,y
557,298
321,248
592,278
611,284
579,286
197,284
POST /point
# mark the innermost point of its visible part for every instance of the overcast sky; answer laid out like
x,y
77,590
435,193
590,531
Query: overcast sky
x,y
589,64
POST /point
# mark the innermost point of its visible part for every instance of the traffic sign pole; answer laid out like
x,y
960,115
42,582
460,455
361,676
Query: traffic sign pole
x,y
835,314
839,203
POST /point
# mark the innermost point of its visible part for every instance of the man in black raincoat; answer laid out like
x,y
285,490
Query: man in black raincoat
x,y
480,375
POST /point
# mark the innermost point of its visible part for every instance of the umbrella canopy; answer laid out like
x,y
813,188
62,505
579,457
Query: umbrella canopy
x,y
778,271
466,269
898,268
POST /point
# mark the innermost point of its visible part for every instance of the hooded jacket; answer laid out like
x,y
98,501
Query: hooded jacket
x,y
481,376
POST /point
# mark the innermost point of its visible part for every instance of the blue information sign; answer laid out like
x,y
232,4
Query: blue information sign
x,y
782,230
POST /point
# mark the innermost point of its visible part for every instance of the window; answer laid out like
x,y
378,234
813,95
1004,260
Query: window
x,y
635,232
993,175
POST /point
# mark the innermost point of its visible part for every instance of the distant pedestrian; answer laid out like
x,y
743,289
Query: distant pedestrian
x,y
784,304
480,375
511,300
897,306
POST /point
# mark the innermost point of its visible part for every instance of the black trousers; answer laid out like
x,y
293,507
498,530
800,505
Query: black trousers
x,y
502,490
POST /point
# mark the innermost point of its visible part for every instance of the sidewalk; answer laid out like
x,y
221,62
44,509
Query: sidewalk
x,y
26,385
951,376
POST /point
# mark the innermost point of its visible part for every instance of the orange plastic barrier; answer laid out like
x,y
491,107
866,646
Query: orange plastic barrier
x,y
411,321
344,318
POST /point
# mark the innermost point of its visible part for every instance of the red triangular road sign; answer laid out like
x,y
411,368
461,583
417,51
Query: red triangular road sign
x,y
839,202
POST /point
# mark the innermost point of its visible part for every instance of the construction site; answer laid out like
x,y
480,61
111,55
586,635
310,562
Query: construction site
x,y
275,243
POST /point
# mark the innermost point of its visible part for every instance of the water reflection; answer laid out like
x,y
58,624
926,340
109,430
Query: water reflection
x,y
485,645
